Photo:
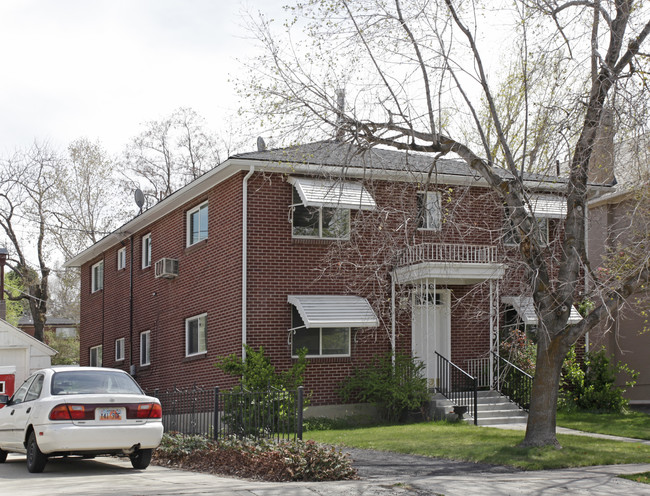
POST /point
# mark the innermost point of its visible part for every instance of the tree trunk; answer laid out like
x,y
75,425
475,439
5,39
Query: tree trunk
x,y
540,430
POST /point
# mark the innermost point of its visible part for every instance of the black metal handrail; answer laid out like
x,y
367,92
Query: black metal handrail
x,y
512,382
457,386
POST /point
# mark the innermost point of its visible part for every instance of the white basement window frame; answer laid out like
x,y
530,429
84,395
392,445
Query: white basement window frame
x,y
119,349
195,335
95,356
197,224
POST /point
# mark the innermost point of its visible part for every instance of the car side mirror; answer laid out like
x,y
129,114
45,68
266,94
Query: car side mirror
x,y
4,399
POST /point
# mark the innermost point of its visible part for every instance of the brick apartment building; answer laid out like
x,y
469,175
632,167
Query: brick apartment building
x,y
348,253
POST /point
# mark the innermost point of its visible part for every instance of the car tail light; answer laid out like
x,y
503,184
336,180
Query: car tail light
x,y
70,412
149,410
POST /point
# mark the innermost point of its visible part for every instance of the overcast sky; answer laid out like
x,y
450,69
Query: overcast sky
x,y
100,68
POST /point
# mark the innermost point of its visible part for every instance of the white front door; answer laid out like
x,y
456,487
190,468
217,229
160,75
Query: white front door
x,y
431,329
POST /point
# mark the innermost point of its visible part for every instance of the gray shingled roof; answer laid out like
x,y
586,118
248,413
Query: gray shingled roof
x,y
337,154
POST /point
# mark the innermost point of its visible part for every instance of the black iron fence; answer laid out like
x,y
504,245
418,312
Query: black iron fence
x,y
513,382
270,414
457,386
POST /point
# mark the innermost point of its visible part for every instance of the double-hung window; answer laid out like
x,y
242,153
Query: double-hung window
x,y
146,251
145,348
195,329
121,258
197,224
119,349
96,356
319,341
97,276
321,208
429,210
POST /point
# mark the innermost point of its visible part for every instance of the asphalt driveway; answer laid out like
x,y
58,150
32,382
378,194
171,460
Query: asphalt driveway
x,y
381,474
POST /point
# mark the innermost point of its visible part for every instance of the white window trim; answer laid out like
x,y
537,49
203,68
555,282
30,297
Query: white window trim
x,y
508,225
438,197
95,283
2,387
119,346
146,335
121,258
205,330
146,251
188,234
320,343
99,356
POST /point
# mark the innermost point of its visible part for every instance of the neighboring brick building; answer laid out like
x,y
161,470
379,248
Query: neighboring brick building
x,y
321,246
61,326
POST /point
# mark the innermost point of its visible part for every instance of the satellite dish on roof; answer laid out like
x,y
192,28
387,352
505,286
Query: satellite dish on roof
x,y
261,146
139,198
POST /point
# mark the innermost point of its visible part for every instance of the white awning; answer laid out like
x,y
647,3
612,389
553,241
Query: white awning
x,y
337,194
525,307
334,311
550,206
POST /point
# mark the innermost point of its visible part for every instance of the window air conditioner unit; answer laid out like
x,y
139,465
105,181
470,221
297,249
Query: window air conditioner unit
x,y
167,268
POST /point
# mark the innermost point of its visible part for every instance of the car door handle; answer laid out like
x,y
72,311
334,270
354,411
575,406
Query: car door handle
x,y
29,410
13,411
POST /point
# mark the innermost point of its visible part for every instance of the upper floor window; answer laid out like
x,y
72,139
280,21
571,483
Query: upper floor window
x,y
121,258
96,356
119,349
197,224
195,328
97,276
429,210
319,222
146,251
145,347
509,238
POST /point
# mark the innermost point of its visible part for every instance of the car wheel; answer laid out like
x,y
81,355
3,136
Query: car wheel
x,y
140,459
36,460
3,456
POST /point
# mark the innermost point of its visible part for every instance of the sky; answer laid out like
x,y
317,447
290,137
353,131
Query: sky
x,y
100,68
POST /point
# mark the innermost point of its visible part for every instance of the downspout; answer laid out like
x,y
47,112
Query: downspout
x,y
586,226
244,258
131,365
392,312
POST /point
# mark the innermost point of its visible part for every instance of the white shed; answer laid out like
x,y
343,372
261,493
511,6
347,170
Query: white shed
x,y
20,350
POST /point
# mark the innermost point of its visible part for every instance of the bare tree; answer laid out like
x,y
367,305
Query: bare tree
x,y
170,153
27,191
415,74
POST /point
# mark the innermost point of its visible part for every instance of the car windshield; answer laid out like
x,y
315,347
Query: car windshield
x,y
93,382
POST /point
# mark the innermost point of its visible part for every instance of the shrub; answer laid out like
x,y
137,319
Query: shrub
x,y
590,386
284,461
394,388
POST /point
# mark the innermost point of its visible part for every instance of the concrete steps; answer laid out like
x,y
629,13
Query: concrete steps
x,y
492,409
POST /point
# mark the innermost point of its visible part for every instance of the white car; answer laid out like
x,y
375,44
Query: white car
x,y
84,411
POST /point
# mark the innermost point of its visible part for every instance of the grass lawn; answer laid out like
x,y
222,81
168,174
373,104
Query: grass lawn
x,y
633,424
485,445
643,477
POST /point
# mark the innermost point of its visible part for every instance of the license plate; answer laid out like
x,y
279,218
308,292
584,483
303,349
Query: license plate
x,y
114,414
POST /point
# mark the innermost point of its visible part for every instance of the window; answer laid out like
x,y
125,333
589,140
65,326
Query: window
x,y
35,389
96,356
97,276
146,251
121,258
19,395
319,222
319,341
119,349
197,224
195,335
429,210
145,341
2,387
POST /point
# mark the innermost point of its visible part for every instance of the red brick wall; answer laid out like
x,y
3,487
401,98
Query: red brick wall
x,y
278,265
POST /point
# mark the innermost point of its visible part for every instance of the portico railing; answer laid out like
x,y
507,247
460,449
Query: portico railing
x,y
448,252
